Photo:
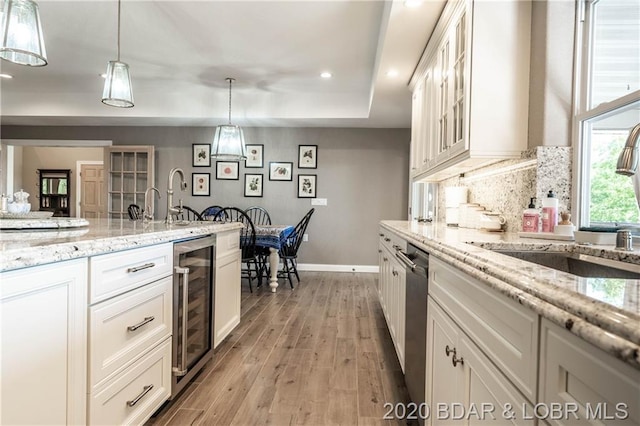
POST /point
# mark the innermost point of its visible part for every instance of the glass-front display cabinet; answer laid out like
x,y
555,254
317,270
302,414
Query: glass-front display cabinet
x,y
55,191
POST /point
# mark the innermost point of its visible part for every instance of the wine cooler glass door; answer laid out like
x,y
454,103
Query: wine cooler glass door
x,y
193,309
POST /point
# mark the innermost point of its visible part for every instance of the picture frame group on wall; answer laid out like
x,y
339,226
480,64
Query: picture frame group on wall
x,y
201,155
307,185
253,184
227,170
200,184
307,156
279,170
254,157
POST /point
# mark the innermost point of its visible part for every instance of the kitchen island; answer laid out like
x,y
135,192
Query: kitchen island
x,y
86,318
512,333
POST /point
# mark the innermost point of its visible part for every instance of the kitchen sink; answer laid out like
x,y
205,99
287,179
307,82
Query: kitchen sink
x,y
578,264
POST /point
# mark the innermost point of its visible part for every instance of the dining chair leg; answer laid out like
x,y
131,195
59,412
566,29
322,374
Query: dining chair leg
x,y
249,278
288,270
295,268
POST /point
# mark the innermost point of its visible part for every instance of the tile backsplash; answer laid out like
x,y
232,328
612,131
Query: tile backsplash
x,y
508,185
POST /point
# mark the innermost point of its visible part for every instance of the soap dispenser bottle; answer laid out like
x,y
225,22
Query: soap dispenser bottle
x,y
549,212
531,218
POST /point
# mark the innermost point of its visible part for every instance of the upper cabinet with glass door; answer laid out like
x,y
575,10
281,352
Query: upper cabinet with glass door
x,y
471,88
130,171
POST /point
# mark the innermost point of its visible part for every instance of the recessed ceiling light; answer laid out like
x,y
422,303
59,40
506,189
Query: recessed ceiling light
x,y
326,74
392,73
5,76
412,4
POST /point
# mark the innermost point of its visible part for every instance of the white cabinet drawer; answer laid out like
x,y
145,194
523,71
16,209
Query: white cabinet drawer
x,y
227,242
137,393
506,331
122,328
115,273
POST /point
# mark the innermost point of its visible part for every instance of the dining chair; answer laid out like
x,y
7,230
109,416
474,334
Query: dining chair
x,y
134,211
210,212
187,213
258,215
289,250
247,242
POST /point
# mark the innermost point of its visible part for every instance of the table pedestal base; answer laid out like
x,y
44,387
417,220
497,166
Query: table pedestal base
x,y
274,261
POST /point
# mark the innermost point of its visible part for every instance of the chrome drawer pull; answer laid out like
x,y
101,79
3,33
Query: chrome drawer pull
x,y
145,390
147,320
457,360
140,268
448,351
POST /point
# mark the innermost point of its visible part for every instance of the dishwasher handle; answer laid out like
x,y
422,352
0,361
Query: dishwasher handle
x,y
405,259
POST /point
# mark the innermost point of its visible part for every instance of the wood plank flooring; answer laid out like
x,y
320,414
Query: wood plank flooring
x,y
320,354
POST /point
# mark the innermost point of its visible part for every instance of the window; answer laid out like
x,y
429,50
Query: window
x,y
608,107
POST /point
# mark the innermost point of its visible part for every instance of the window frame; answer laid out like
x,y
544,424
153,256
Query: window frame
x,y
583,60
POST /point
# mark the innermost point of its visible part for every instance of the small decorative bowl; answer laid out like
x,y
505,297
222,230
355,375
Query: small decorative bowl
x,y
19,208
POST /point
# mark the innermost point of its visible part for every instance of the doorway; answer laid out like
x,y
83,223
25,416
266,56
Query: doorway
x,y
90,190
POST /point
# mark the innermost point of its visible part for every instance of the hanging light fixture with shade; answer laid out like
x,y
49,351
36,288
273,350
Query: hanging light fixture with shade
x,y
21,40
118,91
228,141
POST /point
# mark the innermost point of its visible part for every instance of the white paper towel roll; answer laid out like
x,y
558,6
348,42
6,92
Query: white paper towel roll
x,y
455,195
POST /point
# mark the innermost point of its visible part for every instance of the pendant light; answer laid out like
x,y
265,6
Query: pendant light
x,y
228,141
21,40
117,86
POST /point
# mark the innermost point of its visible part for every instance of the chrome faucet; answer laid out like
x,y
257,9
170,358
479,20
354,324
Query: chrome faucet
x,y
183,186
148,211
628,159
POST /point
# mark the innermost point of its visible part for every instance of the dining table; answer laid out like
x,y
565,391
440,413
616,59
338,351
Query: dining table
x,y
273,237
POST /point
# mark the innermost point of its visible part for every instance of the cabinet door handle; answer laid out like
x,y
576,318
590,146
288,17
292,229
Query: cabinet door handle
x,y
145,390
147,320
141,267
457,361
387,239
449,351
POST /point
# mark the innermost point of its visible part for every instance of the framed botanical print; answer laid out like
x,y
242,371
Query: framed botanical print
x,y
201,155
200,186
254,157
253,185
307,156
280,170
227,170
307,186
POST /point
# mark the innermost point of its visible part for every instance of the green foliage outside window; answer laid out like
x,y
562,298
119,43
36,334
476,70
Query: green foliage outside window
x,y
612,197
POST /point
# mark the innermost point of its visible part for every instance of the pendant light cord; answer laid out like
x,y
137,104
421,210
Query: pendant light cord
x,y
118,30
230,80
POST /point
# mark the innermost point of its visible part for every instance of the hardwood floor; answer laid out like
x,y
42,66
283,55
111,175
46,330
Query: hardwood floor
x,y
320,354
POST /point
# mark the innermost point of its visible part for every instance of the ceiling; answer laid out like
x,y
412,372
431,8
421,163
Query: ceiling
x,y
180,53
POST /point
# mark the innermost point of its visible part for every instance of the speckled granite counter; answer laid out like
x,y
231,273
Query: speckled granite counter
x,y
572,302
21,249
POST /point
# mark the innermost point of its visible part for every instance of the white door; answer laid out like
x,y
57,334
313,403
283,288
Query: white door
x,y
92,191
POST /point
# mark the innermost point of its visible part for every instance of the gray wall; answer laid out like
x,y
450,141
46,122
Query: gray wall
x,y
363,173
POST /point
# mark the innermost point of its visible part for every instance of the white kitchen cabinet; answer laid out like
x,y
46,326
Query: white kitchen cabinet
x,y
574,373
43,344
471,88
501,327
462,382
130,317
227,285
392,279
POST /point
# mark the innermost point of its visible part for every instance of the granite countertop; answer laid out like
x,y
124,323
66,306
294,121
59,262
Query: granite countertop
x,y
611,322
24,248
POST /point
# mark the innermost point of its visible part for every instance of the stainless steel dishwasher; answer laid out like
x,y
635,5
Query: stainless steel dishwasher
x,y
417,264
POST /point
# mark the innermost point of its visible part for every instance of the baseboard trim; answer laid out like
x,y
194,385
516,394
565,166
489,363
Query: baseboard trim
x,y
337,268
